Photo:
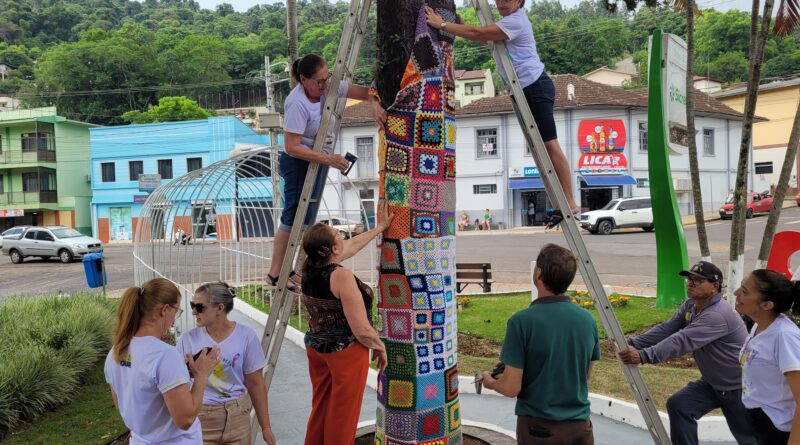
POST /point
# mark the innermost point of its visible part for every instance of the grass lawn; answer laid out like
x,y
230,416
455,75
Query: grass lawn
x,y
89,419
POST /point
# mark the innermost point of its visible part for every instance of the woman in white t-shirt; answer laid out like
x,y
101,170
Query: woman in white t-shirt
x,y
302,112
516,31
771,356
149,378
225,416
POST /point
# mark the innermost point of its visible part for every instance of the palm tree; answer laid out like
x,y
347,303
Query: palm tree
x,y
291,33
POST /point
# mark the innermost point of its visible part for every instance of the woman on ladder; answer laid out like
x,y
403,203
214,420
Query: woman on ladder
x,y
302,113
516,31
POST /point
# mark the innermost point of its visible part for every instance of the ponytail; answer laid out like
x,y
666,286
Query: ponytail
x,y
138,303
318,245
775,287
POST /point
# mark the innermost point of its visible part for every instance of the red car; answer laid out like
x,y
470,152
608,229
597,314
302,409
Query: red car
x,y
756,203
797,199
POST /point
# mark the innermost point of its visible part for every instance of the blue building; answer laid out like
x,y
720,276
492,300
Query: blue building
x,y
119,155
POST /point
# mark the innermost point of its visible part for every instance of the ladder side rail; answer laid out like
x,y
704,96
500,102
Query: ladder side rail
x,y
572,233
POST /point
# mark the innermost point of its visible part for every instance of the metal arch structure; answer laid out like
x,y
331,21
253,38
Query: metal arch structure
x,y
227,211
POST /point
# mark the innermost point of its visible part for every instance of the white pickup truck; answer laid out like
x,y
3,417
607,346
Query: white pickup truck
x,y
44,242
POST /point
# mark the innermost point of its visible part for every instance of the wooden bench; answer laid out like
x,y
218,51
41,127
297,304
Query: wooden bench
x,y
474,273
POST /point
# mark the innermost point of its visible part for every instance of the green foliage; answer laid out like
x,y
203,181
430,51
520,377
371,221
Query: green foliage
x,y
169,109
49,343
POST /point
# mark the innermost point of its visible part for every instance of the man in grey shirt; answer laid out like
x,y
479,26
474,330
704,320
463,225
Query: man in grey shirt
x,y
714,333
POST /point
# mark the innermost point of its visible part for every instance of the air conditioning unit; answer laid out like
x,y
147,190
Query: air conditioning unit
x,y
270,120
682,184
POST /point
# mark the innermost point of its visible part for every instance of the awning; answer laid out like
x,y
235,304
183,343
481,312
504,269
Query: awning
x,y
600,181
529,183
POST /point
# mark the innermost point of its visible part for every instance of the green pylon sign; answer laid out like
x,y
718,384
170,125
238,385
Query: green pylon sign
x,y
665,135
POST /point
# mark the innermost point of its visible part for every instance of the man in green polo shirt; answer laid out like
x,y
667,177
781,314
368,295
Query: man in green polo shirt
x,y
548,353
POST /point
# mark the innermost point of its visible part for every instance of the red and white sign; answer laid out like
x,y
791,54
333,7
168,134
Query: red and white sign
x,y
603,164
11,213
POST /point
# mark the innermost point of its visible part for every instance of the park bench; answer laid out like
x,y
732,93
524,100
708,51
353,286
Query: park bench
x,y
474,273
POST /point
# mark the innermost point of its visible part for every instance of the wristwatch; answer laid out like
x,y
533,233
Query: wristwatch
x,y
441,27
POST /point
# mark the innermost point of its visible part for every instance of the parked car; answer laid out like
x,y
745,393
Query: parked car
x,y
13,232
44,242
620,213
797,199
756,203
346,227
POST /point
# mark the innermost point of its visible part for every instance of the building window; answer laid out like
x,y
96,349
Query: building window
x,y
193,164
473,89
36,141
165,168
2,190
708,141
107,171
135,168
643,183
30,182
487,143
763,168
364,150
484,189
643,136
1,144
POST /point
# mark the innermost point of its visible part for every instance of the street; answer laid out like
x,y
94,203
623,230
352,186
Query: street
x,y
625,260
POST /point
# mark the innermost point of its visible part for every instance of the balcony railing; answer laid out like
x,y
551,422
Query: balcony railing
x,y
47,196
27,156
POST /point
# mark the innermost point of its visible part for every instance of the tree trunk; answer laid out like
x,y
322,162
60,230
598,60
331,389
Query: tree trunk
x,y
758,38
694,170
780,192
291,34
397,22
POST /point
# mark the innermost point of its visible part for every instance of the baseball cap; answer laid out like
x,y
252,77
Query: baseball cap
x,y
705,270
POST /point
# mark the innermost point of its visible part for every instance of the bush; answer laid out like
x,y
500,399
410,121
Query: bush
x,y
49,343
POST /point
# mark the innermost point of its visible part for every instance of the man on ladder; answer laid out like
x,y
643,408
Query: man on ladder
x,y
513,39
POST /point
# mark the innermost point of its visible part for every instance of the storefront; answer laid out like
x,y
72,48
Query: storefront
x,y
602,166
529,195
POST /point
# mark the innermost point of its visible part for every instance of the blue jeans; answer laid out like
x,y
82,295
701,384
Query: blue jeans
x,y
293,172
697,399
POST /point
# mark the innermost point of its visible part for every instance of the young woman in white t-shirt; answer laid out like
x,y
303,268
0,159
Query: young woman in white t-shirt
x,y
516,31
149,379
225,416
771,356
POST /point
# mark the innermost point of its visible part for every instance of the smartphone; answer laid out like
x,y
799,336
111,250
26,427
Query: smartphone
x,y
197,356
350,157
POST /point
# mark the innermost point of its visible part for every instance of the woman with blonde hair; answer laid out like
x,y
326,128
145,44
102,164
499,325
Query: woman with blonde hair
x,y
149,379
237,384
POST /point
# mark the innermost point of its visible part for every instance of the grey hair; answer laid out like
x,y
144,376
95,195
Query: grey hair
x,y
219,293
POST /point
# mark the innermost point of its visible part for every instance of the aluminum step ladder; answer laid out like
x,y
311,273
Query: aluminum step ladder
x,y
572,232
282,301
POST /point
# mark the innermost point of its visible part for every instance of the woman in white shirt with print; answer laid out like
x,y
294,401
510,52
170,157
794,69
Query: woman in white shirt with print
x,y
225,416
149,379
771,356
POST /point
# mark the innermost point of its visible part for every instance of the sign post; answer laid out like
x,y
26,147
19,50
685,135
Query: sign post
x,y
149,182
666,95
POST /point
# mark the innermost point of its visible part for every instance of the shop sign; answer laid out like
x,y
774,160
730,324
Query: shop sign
x,y
523,172
140,199
603,164
602,143
149,182
11,213
674,93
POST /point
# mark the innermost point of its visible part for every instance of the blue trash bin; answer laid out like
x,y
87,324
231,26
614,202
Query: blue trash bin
x,y
93,266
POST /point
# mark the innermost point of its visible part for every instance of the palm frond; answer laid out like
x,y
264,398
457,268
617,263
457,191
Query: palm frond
x,y
787,17
680,6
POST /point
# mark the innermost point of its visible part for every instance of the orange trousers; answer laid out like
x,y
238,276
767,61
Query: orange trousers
x,y
338,380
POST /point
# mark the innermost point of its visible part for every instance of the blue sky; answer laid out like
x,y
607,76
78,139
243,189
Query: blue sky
x,y
720,5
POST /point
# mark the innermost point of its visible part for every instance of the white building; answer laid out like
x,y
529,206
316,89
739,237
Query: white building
x,y
473,85
603,131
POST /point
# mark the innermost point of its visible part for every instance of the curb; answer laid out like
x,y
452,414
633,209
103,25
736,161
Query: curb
x,y
710,428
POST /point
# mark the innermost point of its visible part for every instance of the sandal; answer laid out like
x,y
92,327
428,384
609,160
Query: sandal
x,y
291,285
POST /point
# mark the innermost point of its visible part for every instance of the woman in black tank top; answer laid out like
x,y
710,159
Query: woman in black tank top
x,y
340,332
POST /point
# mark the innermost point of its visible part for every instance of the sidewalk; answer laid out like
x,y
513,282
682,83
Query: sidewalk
x,y
290,403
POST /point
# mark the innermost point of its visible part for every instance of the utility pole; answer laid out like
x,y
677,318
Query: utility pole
x,y
273,153
291,34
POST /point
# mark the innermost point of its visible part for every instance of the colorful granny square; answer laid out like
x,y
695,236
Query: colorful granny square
x,y
408,98
450,95
381,391
448,295
437,334
448,222
430,392
437,300
392,257
420,300
429,131
397,189
426,195
397,159
401,361
394,291
433,283
401,425
451,383
449,133
424,54
431,424
397,325
422,319
417,283
429,264
428,165
421,336
401,229
432,96
446,38
437,319
424,224
400,395
400,127
453,416
449,167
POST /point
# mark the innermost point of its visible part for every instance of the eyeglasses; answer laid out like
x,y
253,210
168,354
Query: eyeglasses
x,y
178,311
321,83
197,307
697,280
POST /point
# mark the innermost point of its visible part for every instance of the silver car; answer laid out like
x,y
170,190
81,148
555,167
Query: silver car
x,y
13,232
45,242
